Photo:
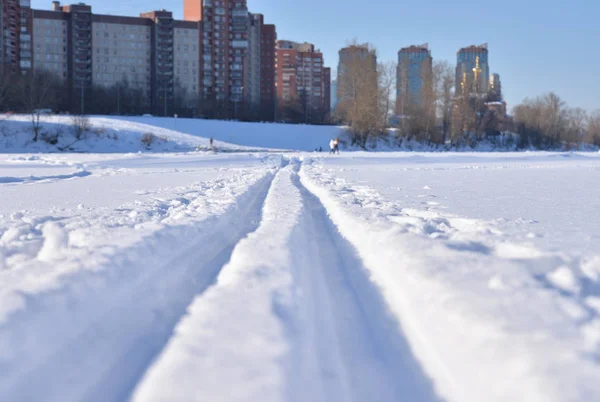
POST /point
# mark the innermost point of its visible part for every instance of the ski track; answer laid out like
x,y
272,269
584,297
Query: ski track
x,y
271,301
111,349
306,321
353,349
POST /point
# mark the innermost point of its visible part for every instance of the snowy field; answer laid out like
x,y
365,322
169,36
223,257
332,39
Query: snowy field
x,y
300,277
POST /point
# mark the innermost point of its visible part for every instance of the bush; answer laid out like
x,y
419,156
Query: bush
x,y
81,125
148,139
51,138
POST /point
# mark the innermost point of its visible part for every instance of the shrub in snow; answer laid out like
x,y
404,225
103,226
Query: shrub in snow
x,y
81,125
149,139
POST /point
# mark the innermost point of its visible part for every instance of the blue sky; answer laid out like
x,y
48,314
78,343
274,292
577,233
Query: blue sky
x,y
535,45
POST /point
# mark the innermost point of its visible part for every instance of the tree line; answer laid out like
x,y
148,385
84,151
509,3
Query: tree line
x,y
442,115
45,90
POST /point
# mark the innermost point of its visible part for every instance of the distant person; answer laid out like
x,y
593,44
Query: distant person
x,y
336,145
212,148
331,147
320,149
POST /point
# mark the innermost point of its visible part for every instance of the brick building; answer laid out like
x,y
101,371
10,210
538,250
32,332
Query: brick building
x,y
219,57
302,80
15,35
224,48
260,69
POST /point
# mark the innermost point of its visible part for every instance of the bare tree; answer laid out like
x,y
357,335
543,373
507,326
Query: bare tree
x,y
81,125
387,83
547,122
593,128
444,76
576,121
359,94
39,92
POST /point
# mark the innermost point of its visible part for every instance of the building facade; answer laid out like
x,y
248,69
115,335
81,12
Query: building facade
x,y
220,55
268,72
153,54
327,92
357,80
16,26
413,78
495,88
224,48
260,69
360,55
302,79
472,70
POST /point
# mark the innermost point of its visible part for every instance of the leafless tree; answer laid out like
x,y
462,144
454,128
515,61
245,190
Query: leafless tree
x,y
548,122
576,122
39,91
444,76
387,83
81,125
593,128
359,95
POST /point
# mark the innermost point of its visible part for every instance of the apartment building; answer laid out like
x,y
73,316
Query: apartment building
x,y
301,78
219,54
413,78
152,53
15,35
472,70
50,42
259,69
327,90
268,72
353,58
495,87
224,47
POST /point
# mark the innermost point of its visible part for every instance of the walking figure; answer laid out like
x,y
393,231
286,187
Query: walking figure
x,y
335,146
212,148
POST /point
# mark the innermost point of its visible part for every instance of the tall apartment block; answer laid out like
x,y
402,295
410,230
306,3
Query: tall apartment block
x,y
413,78
260,68
152,53
495,88
472,70
302,78
355,55
224,46
219,55
327,90
15,35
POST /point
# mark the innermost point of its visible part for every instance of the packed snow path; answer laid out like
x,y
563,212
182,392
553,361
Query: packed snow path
x,y
278,280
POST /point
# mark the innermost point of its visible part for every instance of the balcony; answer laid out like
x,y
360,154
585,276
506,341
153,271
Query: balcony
x,y
239,44
239,13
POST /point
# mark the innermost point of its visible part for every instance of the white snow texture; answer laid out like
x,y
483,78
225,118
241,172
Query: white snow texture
x,y
249,274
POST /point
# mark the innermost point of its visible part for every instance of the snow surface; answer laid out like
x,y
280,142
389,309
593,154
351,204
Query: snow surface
x,y
191,276
107,135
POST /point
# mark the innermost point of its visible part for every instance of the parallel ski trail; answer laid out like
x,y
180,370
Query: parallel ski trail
x,y
346,343
110,352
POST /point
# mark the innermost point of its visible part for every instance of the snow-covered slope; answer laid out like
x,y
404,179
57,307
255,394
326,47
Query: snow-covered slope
x,y
106,135
258,135
238,277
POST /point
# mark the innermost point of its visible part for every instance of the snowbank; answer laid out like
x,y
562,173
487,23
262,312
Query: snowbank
x,y
489,319
106,135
